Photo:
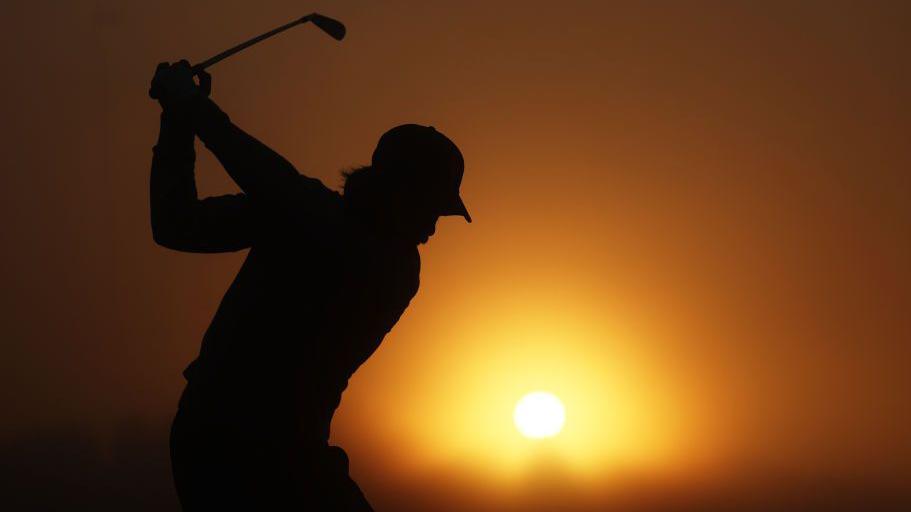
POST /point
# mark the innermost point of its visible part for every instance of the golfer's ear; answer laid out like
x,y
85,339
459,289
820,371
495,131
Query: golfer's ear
x,y
205,82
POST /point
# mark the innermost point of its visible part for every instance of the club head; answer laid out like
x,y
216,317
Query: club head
x,y
334,28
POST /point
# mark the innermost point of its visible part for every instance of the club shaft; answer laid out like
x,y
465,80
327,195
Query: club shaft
x,y
231,51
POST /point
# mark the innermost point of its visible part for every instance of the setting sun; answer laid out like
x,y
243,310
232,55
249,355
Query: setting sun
x,y
539,415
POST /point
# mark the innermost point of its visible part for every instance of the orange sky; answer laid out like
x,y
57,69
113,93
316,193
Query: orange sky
x,y
691,223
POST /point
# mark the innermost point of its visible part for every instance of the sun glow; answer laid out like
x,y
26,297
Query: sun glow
x,y
608,408
539,414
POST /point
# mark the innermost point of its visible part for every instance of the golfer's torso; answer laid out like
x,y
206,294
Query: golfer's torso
x,y
301,316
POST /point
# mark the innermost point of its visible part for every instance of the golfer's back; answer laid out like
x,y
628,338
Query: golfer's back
x,y
315,297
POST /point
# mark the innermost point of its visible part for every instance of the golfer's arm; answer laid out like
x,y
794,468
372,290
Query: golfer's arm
x,y
258,170
180,220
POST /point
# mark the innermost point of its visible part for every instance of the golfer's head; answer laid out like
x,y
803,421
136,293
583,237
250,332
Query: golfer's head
x,y
421,170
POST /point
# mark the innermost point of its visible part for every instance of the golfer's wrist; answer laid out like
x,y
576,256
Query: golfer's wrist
x,y
181,110
176,134
208,118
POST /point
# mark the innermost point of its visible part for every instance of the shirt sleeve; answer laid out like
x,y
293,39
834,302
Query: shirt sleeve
x,y
180,220
270,182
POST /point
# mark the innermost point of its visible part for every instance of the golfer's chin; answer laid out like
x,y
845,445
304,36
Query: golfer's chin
x,y
418,233
423,238
425,234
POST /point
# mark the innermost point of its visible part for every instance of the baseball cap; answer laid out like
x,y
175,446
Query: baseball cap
x,y
427,158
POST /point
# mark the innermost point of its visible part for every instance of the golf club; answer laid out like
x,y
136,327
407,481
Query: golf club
x,y
333,27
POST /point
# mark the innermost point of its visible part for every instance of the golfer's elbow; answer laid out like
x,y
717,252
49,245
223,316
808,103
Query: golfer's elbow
x,y
166,241
167,232
166,236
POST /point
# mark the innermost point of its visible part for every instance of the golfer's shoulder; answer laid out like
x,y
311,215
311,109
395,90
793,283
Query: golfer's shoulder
x,y
396,279
316,195
411,264
411,278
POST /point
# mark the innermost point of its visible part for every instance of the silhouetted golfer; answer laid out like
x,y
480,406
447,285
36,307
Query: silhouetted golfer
x,y
327,276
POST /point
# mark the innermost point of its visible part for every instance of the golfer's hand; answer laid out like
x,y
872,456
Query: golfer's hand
x,y
173,84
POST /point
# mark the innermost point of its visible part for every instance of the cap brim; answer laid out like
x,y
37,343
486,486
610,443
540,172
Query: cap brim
x,y
457,207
